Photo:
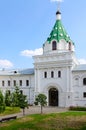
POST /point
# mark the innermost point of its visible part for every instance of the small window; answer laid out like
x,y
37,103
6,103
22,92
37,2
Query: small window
x,y
54,45
69,45
84,81
8,82
52,74
3,83
20,82
14,82
27,82
8,92
21,92
59,74
45,74
84,94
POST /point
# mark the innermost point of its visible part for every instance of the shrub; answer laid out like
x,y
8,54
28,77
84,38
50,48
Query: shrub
x,y
2,104
2,108
77,108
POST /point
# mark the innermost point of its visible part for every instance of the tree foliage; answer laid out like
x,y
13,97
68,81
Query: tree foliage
x,y
8,98
23,102
16,99
2,103
41,99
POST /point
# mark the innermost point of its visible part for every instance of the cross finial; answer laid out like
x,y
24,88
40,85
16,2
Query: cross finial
x,y
58,14
58,1
58,6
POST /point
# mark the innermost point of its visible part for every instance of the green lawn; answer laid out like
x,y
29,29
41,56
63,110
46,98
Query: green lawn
x,y
59,121
10,110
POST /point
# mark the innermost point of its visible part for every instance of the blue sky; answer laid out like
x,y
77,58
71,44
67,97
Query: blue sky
x,y
26,24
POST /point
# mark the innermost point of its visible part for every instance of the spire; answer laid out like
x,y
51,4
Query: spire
x,y
58,13
58,32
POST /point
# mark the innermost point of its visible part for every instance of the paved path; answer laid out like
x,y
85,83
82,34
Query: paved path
x,y
37,110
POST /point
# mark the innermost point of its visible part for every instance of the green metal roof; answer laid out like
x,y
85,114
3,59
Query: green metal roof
x,y
58,33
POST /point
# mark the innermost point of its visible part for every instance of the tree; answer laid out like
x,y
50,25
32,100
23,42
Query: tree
x,y
2,103
19,99
23,102
15,97
41,99
7,98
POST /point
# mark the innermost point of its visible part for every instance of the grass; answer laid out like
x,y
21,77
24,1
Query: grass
x,y
59,121
10,110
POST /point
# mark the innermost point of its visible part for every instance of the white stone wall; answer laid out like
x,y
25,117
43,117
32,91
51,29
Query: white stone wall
x,y
55,62
27,90
79,88
62,46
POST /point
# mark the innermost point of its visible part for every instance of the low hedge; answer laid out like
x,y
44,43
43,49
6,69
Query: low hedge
x,y
77,108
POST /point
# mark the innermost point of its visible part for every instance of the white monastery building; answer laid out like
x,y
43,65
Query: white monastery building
x,y
56,73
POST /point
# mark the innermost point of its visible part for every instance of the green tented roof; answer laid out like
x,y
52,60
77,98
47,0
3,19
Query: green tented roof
x,y
58,33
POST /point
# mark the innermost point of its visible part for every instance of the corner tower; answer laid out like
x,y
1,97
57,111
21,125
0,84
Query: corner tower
x,y
58,40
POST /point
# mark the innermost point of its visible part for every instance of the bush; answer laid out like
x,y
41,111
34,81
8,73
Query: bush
x,y
77,108
2,104
2,108
36,103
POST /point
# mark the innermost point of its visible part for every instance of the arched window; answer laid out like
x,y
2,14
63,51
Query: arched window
x,y
84,81
84,94
21,91
20,82
45,74
69,45
8,82
59,74
3,83
27,82
52,74
54,47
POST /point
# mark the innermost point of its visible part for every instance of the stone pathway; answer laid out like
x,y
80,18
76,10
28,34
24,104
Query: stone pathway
x,y
37,110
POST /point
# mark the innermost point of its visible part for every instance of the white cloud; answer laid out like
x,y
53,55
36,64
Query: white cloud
x,y
56,0
30,53
82,61
5,64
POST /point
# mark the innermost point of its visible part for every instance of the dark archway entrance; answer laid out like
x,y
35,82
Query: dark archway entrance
x,y
53,97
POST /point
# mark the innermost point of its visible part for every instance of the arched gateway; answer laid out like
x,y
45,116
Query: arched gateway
x,y
53,97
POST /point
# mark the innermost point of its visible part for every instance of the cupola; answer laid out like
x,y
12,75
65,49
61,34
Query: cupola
x,y
58,40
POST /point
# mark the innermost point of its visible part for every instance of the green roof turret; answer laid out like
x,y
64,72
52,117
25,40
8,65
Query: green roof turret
x,y
58,32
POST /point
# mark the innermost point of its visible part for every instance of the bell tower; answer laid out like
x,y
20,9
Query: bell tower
x,y
53,69
58,40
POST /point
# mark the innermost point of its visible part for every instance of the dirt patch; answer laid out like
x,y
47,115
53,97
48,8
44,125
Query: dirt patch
x,y
75,121
76,118
60,123
25,129
25,119
4,124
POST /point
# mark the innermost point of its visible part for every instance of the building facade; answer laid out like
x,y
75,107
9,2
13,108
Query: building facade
x,y
56,73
